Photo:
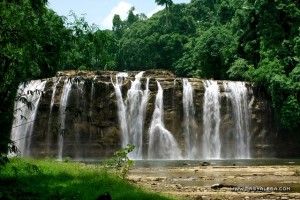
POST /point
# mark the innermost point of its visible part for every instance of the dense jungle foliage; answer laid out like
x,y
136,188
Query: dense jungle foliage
x,y
257,41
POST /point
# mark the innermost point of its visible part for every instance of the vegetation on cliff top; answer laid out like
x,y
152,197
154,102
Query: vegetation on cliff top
x,y
257,41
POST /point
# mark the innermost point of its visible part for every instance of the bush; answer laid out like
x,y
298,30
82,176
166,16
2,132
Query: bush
x,y
121,162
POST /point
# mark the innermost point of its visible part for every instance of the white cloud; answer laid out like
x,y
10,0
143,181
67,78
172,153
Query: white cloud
x,y
158,8
121,9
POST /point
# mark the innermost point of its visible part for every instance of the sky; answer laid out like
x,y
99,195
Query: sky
x,y
101,12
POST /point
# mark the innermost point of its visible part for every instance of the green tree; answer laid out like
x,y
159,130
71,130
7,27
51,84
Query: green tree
x,y
131,18
88,46
20,52
268,38
145,45
118,26
240,69
52,37
209,55
167,4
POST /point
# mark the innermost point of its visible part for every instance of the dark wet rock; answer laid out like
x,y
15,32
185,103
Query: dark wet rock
x,y
221,185
217,186
205,163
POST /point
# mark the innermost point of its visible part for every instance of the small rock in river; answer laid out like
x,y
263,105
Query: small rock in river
x,y
204,163
217,186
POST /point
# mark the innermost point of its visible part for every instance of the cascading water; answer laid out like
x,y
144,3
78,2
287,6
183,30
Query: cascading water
x,y
132,112
92,97
121,107
162,144
25,113
91,108
173,94
224,133
81,106
136,102
62,108
54,86
237,95
55,82
211,121
189,120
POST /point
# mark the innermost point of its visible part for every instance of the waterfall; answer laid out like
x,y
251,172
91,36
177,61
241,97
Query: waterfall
x,y
179,118
90,118
189,119
54,86
25,112
55,82
132,114
62,119
136,102
211,121
134,117
80,108
237,95
121,107
173,94
162,144
92,97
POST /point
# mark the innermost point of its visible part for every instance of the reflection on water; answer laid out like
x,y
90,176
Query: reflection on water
x,y
227,162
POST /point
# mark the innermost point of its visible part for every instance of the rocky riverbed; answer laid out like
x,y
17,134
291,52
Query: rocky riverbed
x,y
222,182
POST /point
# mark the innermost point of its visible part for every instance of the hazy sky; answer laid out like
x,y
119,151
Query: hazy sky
x,y
101,12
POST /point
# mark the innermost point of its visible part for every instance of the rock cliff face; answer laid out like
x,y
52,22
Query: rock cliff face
x,y
79,115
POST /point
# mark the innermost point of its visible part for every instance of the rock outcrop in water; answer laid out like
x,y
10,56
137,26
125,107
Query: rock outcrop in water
x,y
96,113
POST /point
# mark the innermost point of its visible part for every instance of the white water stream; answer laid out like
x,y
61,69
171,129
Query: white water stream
x,y
211,121
189,120
162,144
25,114
62,119
237,95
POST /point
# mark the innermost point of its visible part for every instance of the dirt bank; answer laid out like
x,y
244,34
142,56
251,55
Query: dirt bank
x,y
222,182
